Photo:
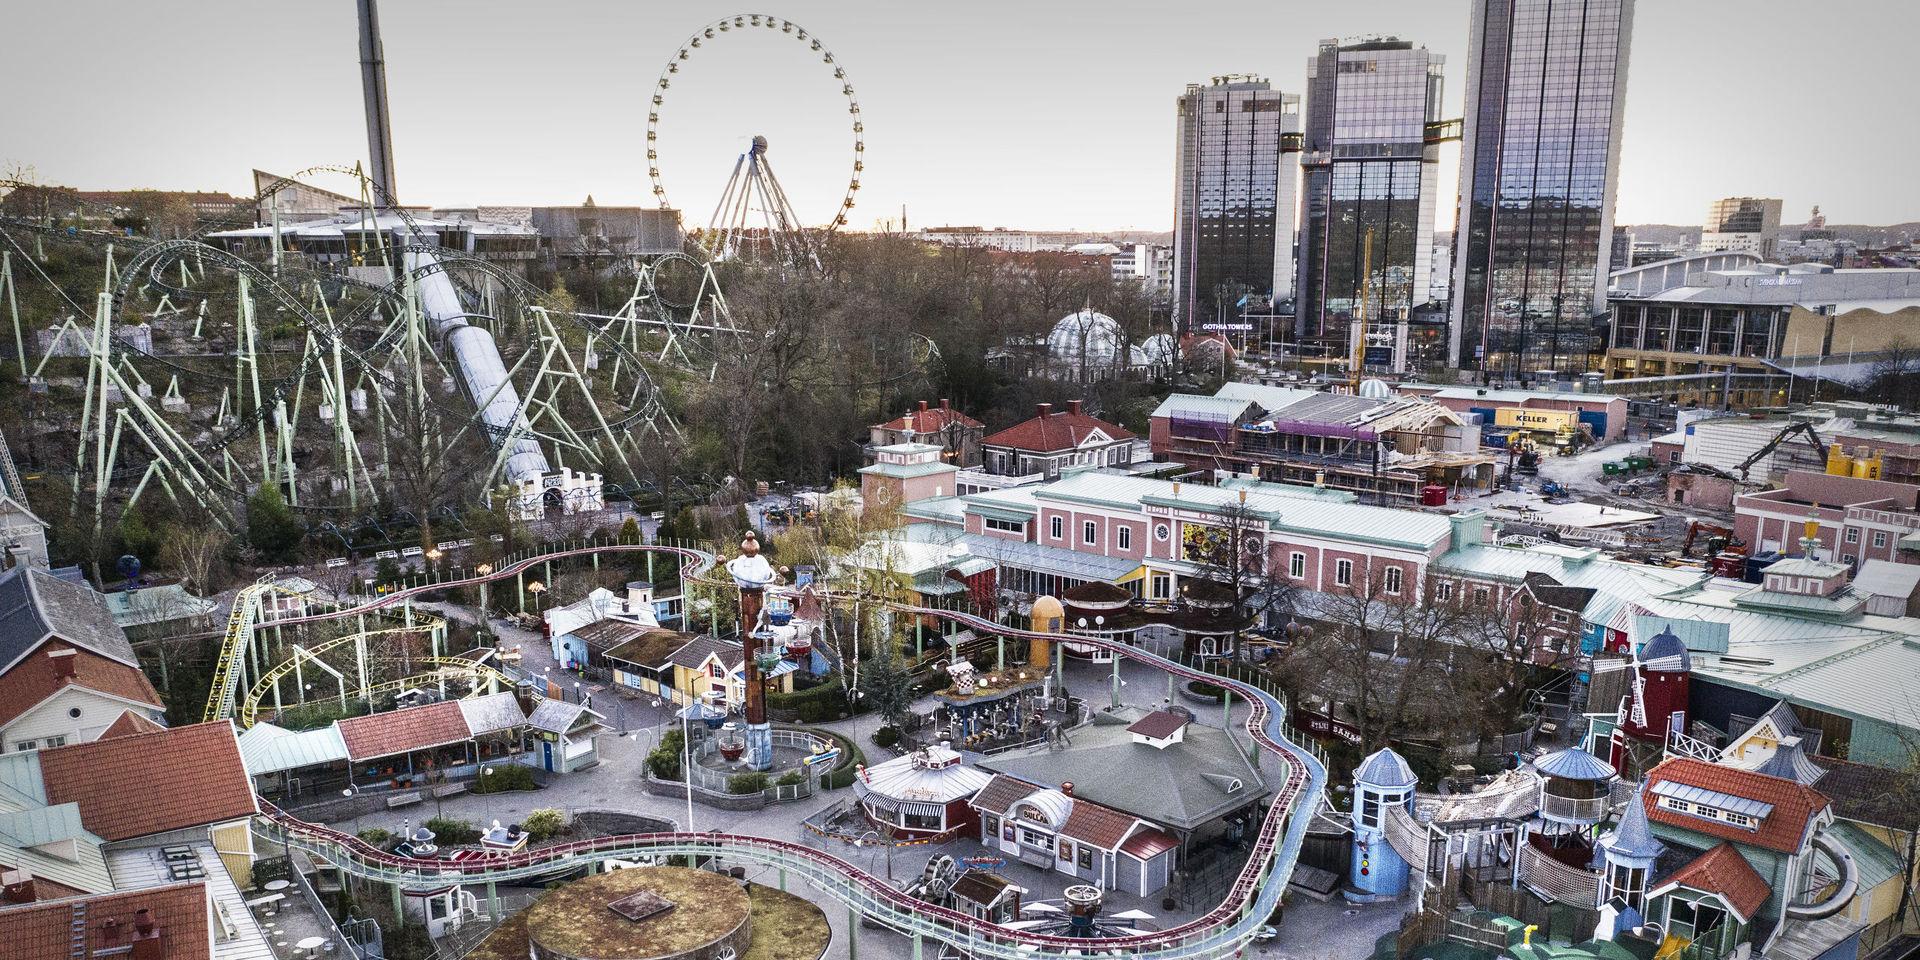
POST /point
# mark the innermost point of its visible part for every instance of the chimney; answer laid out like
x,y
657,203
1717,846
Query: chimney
x,y
62,663
1073,407
1043,410
943,404
16,556
923,406
1066,787
143,921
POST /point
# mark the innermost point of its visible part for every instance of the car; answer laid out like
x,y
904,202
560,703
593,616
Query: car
x,y
387,555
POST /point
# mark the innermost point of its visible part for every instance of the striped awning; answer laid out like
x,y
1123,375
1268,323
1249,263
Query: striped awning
x,y
917,808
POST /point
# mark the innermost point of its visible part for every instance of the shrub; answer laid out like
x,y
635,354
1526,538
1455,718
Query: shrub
x,y
664,761
544,823
377,836
447,830
744,783
504,777
1201,688
792,778
410,942
821,704
886,737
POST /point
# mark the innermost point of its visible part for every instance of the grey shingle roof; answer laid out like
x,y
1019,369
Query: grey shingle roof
x,y
34,604
1183,785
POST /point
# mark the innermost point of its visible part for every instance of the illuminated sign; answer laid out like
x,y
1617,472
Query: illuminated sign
x,y
1526,419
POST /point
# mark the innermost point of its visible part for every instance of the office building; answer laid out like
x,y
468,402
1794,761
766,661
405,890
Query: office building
x,y
1366,238
1546,83
1742,225
1235,198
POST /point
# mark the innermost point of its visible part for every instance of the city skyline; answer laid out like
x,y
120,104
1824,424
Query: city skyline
x,y
1107,164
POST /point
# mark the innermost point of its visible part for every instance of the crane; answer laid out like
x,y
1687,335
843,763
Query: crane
x,y
1798,426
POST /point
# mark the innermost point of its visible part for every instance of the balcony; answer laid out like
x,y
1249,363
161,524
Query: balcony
x,y
1560,882
1573,809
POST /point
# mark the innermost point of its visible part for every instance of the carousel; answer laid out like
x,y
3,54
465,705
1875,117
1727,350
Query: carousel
x,y
921,795
979,711
1103,610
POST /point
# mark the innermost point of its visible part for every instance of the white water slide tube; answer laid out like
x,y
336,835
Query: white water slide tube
x,y
477,357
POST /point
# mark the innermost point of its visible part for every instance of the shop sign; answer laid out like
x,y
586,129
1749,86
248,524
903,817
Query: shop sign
x,y
1321,725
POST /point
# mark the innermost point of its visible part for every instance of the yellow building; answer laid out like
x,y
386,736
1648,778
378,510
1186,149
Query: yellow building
x,y
682,667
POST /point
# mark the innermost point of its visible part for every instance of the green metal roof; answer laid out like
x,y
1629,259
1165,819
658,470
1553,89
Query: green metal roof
x,y
908,471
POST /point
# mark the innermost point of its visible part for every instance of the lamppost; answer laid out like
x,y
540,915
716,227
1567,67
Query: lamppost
x,y
536,588
433,558
485,618
686,760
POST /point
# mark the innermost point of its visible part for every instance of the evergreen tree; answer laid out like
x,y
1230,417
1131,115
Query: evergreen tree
x,y
272,528
887,687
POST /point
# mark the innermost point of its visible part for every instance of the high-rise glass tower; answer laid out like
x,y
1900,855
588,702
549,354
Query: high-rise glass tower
x,y
1546,80
1366,238
1235,194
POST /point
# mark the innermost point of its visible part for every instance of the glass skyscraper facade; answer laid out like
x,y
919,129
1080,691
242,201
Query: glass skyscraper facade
x,y
1235,195
1541,156
1366,239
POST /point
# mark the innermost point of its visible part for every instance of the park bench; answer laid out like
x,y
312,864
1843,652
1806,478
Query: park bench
x,y
398,800
445,790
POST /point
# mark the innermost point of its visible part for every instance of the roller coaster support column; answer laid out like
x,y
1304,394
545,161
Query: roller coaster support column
x,y
399,907
13,309
493,901
1114,685
520,587
916,946
853,934
751,573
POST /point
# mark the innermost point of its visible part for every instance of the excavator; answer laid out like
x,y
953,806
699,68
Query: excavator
x,y
1799,426
1718,538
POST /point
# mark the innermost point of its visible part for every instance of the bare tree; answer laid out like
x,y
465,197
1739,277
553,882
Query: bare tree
x,y
1381,653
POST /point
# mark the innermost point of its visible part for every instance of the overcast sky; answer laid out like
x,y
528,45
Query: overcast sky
x,y
1032,113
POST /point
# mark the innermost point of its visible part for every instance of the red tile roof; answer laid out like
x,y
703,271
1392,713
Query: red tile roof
x,y
930,420
38,676
1001,793
1724,871
400,731
1092,823
130,724
1158,725
44,930
1784,828
1057,430
184,777
1149,843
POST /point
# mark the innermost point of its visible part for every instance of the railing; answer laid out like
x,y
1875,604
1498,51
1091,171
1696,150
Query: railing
x,y
1574,809
709,780
1563,883
1679,744
1223,931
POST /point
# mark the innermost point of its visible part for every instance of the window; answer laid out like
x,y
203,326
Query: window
x,y
1297,565
1853,534
714,671
1056,528
1089,532
1738,819
991,824
1343,572
1123,537
1369,809
1086,857
1848,559
1480,596
1393,581
1162,586
1559,617
24,745
1160,532
1445,589
1879,539
1005,526
1677,805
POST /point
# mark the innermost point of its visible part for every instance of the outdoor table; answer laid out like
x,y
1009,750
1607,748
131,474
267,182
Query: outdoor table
x,y
276,886
309,945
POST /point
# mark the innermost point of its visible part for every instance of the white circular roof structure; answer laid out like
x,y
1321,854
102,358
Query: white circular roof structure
x,y
1088,337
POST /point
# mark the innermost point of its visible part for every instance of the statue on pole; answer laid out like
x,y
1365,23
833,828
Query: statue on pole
x,y
753,574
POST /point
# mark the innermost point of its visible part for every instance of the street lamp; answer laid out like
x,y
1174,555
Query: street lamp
x,y
536,588
433,557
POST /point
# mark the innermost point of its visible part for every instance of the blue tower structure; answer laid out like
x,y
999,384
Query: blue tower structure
x,y
1628,852
1382,780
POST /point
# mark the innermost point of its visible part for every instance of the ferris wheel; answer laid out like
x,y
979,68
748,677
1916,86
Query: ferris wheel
x,y
754,209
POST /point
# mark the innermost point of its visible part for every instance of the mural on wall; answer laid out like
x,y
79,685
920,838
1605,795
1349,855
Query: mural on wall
x,y
1213,546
